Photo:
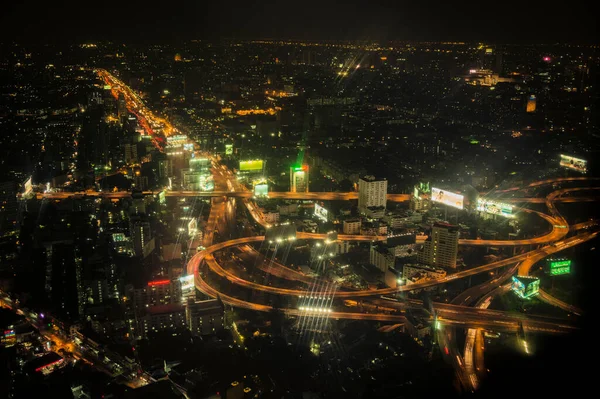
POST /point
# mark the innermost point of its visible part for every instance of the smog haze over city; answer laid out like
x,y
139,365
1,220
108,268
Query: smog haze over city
x,y
318,199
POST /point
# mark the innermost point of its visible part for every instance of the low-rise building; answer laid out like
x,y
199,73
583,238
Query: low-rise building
x,y
351,226
381,258
414,273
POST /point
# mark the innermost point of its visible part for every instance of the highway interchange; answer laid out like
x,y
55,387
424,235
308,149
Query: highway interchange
x,y
447,316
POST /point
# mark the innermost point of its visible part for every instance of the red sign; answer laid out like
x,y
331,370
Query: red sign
x,y
158,282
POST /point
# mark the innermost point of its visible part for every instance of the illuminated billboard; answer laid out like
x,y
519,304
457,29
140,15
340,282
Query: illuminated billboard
x,y
254,165
495,208
188,147
261,190
559,267
447,198
192,227
28,186
228,149
577,164
525,286
321,212
187,285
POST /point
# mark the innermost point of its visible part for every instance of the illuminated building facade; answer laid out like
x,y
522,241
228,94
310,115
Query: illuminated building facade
x,y
372,192
205,317
163,318
156,292
441,248
299,179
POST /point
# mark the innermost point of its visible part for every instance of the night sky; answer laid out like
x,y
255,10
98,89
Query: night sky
x,y
531,21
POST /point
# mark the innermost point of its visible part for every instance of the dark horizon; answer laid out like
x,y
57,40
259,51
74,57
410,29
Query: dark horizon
x,y
503,23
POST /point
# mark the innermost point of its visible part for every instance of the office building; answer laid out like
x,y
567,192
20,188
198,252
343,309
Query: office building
x,y
121,107
160,318
299,179
441,248
155,293
65,288
141,236
205,317
372,192
8,207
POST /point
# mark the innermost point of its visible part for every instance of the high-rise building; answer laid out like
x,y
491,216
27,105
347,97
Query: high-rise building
x,y
8,207
121,107
299,179
204,317
372,192
66,291
441,248
131,155
155,293
141,235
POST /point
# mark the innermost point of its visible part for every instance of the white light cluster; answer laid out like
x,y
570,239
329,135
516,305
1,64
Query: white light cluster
x,y
314,297
315,309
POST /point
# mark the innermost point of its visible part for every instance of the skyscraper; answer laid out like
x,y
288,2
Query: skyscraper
x,y
121,108
66,286
299,176
140,235
372,192
441,247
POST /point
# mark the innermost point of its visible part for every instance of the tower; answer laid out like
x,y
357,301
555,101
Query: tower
x,y
441,248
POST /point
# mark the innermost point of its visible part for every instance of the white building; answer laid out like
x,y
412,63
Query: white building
x,y
351,226
381,258
372,192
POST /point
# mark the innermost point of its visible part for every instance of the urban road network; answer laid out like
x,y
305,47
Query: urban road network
x,y
446,316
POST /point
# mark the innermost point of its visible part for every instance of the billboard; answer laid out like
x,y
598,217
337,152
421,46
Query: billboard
x,y
577,164
28,186
447,198
321,212
188,147
525,286
187,284
261,190
192,227
559,267
228,149
495,208
253,165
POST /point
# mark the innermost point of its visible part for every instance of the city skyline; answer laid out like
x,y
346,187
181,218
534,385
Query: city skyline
x,y
222,219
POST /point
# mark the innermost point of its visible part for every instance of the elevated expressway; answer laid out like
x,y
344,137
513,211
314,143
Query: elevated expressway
x,y
453,316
